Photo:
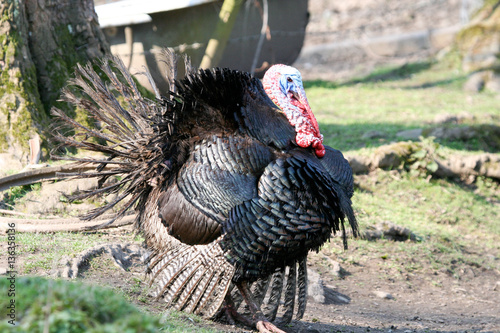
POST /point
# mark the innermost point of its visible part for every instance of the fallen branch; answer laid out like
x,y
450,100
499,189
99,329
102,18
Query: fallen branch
x,y
14,213
41,174
60,224
481,165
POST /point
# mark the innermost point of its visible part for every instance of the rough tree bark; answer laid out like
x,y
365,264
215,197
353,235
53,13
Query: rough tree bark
x,y
40,43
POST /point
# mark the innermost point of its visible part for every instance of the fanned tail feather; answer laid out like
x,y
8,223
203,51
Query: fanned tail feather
x,y
270,308
291,284
275,296
191,278
134,134
302,288
171,59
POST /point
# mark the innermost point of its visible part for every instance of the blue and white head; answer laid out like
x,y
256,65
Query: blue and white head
x,y
290,81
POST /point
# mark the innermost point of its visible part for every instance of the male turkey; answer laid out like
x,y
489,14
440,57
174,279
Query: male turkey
x,y
230,179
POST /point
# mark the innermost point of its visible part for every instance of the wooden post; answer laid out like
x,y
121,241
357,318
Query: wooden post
x,y
217,43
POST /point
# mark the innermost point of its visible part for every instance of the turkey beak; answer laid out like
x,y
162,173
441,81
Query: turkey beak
x,y
302,101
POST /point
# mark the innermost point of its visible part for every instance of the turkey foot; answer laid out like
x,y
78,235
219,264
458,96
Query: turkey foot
x,y
264,326
258,318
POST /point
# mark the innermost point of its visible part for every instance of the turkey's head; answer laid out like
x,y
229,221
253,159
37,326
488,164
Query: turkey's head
x,y
283,84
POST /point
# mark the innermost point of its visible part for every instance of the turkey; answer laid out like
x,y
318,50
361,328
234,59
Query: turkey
x,y
229,177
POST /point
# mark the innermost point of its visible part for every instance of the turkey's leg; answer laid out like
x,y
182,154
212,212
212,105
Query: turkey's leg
x,y
232,314
258,318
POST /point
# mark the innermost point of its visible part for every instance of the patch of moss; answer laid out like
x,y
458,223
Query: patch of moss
x,y
61,66
3,140
72,307
477,35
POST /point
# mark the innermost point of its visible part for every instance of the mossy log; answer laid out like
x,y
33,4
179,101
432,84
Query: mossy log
x,y
480,165
421,157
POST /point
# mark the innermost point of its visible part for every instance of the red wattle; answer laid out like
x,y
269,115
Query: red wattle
x,y
320,151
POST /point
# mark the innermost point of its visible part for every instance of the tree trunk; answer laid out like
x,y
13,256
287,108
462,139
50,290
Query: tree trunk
x,y
41,41
217,44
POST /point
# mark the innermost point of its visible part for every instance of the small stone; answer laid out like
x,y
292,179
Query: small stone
x,y
453,133
336,270
497,286
383,294
475,82
373,135
445,119
315,288
493,84
359,164
343,299
412,134
389,231
372,234
3,270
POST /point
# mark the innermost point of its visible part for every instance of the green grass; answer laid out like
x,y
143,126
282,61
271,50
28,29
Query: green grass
x,y
176,321
15,194
438,211
63,306
43,251
420,204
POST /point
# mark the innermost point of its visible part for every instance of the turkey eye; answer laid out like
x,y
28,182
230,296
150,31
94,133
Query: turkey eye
x,y
289,79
